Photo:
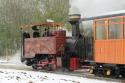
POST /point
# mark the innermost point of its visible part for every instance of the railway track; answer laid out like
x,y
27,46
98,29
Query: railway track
x,y
85,74
80,73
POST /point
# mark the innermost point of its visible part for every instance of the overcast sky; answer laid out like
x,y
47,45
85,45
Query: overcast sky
x,y
96,7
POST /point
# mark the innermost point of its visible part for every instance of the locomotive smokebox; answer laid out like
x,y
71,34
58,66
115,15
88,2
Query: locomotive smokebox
x,y
74,21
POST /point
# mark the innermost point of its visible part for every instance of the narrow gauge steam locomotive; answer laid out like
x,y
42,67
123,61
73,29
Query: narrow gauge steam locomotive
x,y
45,45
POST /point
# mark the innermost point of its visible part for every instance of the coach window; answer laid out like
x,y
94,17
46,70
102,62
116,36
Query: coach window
x,y
100,30
114,31
114,28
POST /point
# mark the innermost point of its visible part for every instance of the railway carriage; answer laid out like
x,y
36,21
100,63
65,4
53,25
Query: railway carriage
x,y
109,46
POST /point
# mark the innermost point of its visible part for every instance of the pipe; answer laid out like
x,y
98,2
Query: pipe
x,y
103,16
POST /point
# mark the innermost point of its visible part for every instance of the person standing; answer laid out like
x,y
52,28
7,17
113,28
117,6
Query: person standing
x,y
35,32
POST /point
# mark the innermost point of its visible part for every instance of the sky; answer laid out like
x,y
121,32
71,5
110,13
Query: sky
x,y
95,7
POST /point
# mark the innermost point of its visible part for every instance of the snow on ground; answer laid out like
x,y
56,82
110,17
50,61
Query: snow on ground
x,y
15,59
21,76
13,62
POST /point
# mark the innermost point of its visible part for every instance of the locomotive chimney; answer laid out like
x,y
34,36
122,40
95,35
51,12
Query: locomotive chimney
x,y
74,21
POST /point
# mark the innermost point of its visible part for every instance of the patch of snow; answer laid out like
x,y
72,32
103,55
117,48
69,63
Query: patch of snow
x,y
3,61
15,58
21,76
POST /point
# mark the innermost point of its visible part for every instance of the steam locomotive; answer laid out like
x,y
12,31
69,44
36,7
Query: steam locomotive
x,y
56,50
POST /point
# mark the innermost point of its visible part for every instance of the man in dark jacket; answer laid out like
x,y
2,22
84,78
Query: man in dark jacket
x,y
26,35
35,32
46,33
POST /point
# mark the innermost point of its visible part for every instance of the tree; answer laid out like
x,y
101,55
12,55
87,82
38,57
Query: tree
x,y
15,13
56,10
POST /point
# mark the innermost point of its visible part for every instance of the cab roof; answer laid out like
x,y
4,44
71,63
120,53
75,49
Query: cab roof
x,y
44,24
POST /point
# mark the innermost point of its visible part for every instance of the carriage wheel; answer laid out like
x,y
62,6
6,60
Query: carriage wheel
x,y
34,66
122,72
98,71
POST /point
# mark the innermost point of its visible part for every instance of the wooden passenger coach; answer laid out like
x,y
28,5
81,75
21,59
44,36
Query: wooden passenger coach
x,y
109,46
109,42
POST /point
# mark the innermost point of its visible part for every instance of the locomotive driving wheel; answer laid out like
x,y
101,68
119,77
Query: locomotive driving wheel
x,y
34,66
49,67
